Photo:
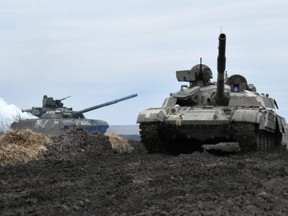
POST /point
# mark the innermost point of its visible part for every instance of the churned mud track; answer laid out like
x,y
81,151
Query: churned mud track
x,y
89,179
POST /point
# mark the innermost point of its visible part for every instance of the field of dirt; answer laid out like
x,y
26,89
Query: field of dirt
x,y
80,174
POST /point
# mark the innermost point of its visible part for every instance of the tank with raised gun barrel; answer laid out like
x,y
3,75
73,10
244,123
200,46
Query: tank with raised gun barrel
x,y
54,118
228,115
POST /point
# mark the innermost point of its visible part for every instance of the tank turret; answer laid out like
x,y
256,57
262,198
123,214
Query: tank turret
x,y
48,104
52,108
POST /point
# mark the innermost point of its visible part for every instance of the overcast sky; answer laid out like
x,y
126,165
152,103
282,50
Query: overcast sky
x,y
97,51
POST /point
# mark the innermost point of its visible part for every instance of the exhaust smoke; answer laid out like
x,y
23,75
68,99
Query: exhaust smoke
x,y
10,113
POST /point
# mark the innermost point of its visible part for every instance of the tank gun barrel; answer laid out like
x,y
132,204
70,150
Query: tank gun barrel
x,y
105,104
221,65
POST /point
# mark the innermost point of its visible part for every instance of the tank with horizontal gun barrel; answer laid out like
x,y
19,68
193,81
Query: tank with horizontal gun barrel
x,y
54,118
227,115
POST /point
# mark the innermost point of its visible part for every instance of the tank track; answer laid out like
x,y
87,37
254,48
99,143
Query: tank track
x,y
248,135
150,137
250,138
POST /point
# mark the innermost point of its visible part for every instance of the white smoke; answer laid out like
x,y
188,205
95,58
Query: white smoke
x,y
10,113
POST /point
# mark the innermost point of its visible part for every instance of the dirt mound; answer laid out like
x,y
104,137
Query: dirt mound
x,y
120,144
77,144
22,146
25,145
81,174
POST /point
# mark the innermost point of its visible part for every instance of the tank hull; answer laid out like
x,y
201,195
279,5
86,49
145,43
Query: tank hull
x,y
55,127
190,128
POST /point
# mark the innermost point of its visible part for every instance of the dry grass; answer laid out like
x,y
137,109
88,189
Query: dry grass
x,y
120,144
22,146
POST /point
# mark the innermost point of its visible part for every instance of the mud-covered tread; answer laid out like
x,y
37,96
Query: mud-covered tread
x,y
277,139
251,138
246,136
150,137
267,140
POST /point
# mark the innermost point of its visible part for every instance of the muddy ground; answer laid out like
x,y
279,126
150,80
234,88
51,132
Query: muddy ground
x,y
81,175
